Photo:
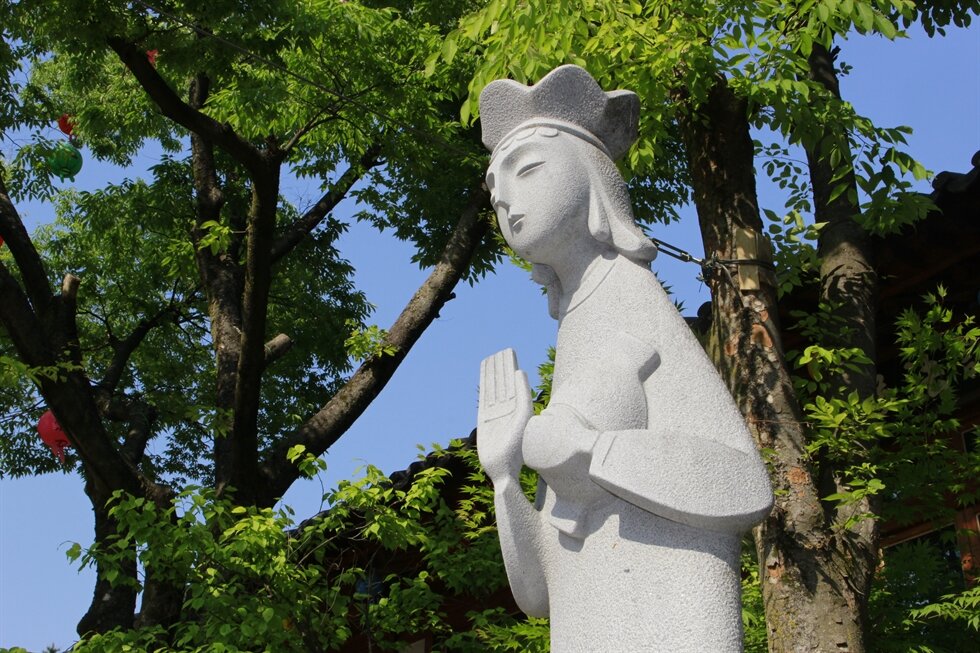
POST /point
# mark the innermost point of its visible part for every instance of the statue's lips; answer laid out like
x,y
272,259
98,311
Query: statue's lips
x,y
514,220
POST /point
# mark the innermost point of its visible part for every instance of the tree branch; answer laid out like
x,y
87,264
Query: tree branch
x,y
21,322
326,427
322,117
28,260
139,417
277,348
294,233
182,113
40,338
61,323
123,349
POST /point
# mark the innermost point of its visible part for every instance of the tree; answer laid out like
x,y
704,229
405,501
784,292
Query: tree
x,y
708,73
163,350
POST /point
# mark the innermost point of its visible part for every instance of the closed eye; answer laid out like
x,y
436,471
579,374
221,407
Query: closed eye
x,y
528,167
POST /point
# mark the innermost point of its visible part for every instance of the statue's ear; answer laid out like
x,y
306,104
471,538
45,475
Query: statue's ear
x,y
631,241
598,220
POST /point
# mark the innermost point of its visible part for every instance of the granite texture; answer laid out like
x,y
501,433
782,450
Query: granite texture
x,y
649,475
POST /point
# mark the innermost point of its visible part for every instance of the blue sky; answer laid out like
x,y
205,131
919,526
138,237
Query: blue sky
x,y
932,85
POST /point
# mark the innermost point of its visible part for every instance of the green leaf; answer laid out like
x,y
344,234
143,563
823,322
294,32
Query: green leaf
x,y
74,552
449,47
865,16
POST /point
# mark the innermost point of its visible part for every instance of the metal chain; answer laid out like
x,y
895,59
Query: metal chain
x,y
710,262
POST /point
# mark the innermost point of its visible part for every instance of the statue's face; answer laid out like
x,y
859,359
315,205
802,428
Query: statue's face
x,y
540,191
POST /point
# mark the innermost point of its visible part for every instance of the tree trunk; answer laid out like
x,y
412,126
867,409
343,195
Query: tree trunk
x,y
848,281
163,595
848,287
222,278
112,606
809,601
251,360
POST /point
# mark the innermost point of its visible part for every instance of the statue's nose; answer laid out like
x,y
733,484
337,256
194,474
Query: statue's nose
x,y
502,208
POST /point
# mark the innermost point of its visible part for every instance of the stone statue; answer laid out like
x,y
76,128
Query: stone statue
x,y
649,476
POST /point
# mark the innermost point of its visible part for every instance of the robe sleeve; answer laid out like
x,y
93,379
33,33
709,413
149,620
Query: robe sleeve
x,y
684,478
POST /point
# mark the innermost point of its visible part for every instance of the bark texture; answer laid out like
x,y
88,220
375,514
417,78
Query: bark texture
x,y
810,602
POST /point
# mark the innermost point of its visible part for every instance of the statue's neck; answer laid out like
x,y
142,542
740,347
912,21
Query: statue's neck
x,y
582,279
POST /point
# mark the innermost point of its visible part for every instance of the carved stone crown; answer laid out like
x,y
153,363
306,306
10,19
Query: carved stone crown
x,y
570,97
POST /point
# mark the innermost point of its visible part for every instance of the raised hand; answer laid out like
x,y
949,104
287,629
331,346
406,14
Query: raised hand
x,y
505,408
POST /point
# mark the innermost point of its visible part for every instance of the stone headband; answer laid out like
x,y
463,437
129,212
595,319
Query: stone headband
x,y
548,123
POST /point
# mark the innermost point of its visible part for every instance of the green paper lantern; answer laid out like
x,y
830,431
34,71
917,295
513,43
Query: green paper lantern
x,y
65,161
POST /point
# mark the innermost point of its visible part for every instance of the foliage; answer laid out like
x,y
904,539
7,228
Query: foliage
x,y
546,372
202,254
671,52
256,581
901,439
753,611
246,582
368,342
920,604
962,608
899,446
135,228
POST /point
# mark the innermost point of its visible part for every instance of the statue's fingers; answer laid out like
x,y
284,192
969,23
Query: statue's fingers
x,y
508,376
521,385
510,360
485,370
499,382
522,392
508,364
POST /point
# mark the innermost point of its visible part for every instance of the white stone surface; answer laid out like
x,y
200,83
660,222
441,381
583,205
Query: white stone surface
x,y
650,476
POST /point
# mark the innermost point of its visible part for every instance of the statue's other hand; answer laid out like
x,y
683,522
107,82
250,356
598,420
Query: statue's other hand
x,y
505,408
559,443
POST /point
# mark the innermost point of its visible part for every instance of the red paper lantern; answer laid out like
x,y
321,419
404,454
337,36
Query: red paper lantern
x,y
66,124
52,435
